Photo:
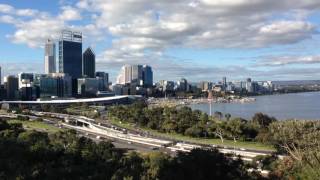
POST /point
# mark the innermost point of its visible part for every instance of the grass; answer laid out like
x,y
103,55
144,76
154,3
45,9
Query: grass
x,y
36,125
179,137
83,111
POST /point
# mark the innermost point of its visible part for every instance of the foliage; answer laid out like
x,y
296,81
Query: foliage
x,y
64,155
22,118
300,140
190,122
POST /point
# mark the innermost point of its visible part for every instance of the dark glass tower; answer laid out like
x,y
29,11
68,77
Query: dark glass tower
x,y
89,63
12,86
147,76
70,54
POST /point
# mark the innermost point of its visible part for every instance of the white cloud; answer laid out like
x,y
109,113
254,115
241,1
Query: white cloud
x,y
35,32
26,12
69,14
142,30
40,26
7,19
5,8
288,60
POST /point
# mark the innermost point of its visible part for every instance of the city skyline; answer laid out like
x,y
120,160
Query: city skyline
x,y
237,39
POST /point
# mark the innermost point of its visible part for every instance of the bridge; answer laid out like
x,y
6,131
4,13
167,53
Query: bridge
x,y
65,102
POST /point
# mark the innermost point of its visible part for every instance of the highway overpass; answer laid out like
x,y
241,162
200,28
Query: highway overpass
x,y
126,99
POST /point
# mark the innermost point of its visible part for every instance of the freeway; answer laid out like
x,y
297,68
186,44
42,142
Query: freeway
x,y
122,144
128,139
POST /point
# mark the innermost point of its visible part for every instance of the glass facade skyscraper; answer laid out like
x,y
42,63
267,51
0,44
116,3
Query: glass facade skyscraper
x,y
147,76
136,76
12,86
70,54
50,57
89,63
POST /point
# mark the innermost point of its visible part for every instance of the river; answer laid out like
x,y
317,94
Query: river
x,y
285,106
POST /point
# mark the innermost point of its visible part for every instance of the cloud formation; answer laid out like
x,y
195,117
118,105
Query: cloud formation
x,y
142,31
288,60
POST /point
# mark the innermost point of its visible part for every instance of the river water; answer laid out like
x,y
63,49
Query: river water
x,y
285,106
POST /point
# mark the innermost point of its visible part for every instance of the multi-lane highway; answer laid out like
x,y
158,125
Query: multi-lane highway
x,y
124,138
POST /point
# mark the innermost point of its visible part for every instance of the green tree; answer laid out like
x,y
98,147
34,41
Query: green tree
x,y
218,114
227,116
263,120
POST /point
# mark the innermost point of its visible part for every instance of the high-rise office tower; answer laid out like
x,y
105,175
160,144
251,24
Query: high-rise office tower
x,y
224,83
136,76
105,77
12,87
147,76
125,75
89,63
249,86
183,85
50,57
70,53
70,57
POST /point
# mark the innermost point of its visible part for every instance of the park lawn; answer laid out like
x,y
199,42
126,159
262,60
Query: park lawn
x,y
38,126
83,111
179,137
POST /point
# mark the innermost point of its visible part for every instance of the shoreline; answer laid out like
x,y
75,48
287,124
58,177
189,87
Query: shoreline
x,y
229,99
186,102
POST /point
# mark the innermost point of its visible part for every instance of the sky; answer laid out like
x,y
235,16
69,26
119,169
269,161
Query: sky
x,y
194,39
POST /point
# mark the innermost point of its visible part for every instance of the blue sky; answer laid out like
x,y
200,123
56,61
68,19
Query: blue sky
x,y
196,39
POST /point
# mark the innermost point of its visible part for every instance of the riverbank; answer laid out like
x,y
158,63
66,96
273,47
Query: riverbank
x,y
173,102
304,106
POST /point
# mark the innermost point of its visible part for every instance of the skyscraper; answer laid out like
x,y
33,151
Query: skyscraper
x,y
70,53
12,86
89,63
50,57
182,85
125,75
147,76
138,74
249,86
224,83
